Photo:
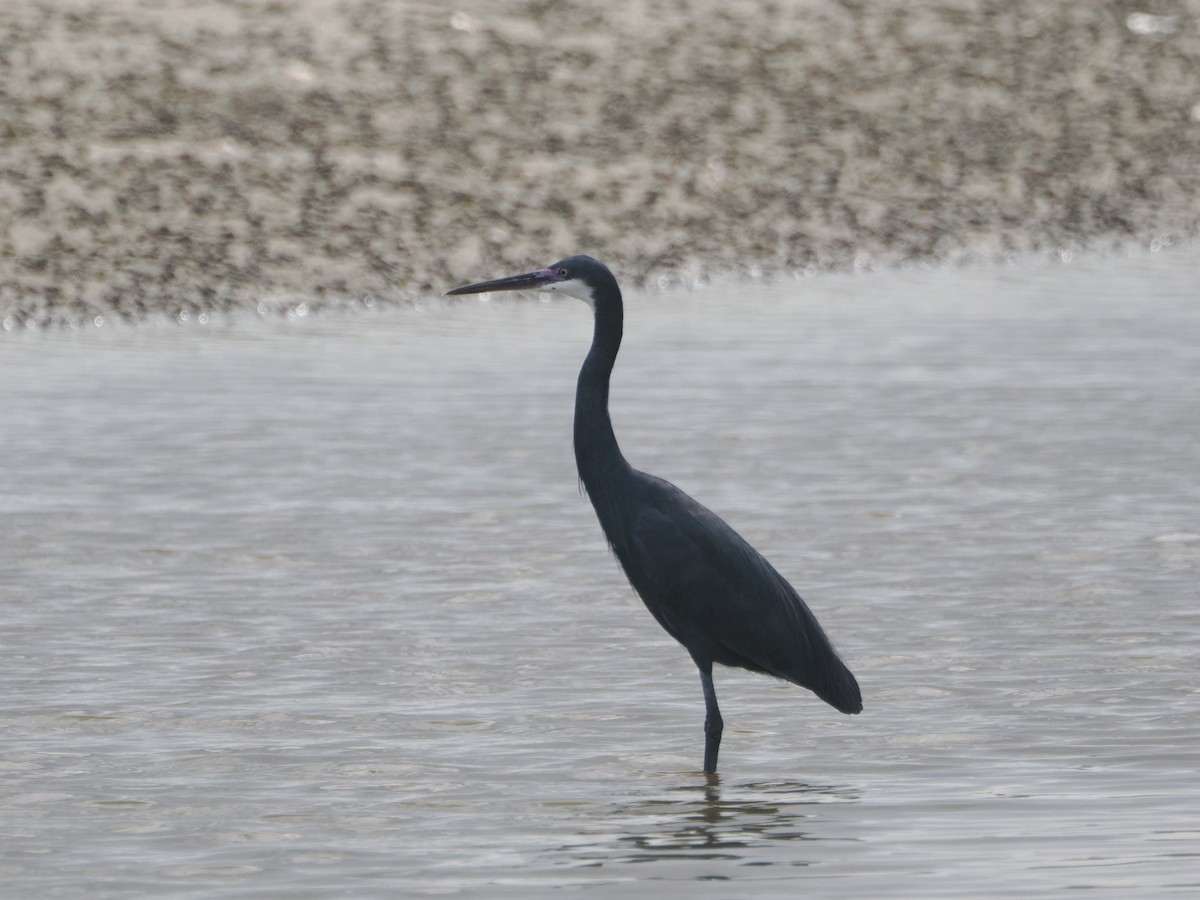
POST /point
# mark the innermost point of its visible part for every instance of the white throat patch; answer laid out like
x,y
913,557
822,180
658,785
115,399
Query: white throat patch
x,y
573,287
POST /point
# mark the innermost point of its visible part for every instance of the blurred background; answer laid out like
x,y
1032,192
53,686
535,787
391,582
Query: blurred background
x,y
184,155
309,605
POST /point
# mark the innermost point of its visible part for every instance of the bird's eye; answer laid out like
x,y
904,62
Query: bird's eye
x,y
563,273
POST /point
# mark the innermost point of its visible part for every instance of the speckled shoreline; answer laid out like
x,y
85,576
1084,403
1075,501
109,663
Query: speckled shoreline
x,y
181,156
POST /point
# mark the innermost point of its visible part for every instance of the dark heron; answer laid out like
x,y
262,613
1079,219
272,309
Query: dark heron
x,y
699,578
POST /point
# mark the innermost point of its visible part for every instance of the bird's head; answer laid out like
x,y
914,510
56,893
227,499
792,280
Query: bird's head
x,y
577,276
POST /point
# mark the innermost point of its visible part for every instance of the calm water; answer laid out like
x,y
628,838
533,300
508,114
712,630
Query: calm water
x,y
315,607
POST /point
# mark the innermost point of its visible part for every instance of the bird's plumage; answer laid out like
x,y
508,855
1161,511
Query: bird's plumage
x,y
704,583
725,602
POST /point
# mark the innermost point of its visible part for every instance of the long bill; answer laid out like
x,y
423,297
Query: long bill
x,y
530,281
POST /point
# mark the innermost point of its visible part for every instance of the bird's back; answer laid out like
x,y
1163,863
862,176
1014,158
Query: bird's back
x,y
718,596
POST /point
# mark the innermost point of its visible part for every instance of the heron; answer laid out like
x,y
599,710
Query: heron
x,y
703,582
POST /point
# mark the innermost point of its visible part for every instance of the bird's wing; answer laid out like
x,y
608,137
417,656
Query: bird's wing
x,y
717,595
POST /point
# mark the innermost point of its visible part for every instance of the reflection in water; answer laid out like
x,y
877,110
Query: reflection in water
x,y
709,821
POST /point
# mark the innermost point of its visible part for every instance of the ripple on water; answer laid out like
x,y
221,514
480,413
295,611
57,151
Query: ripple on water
x,y
310,607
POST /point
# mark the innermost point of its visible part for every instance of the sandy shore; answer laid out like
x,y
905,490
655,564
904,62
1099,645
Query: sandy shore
x,y
179,155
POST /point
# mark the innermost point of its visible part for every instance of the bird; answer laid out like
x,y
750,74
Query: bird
x,y
703,582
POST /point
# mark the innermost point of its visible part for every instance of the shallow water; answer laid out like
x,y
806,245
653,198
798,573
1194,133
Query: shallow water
x,y
315,606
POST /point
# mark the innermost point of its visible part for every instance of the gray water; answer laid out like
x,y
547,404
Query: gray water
x,y
313,606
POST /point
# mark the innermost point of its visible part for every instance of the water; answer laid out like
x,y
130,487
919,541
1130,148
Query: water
x,y
314,607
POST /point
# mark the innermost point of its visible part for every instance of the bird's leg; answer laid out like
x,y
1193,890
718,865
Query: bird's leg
x,y
713,724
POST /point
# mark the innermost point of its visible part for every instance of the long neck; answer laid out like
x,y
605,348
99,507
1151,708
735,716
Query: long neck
x,y
597,455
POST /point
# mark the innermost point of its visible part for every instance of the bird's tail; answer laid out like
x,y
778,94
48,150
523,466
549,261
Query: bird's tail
x,y
839,688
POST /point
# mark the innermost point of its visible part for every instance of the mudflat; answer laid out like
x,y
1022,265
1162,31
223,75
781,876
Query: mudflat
x,y
182,155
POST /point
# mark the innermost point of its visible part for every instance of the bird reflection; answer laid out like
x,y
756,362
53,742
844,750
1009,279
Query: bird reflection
x,y
709,821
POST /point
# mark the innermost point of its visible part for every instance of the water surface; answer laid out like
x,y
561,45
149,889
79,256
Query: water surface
x,y
314,606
